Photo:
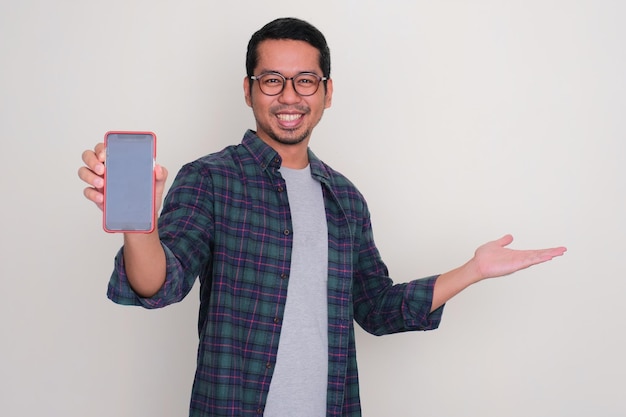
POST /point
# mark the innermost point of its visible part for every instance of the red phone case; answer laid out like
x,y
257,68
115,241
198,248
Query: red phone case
x,y
130,132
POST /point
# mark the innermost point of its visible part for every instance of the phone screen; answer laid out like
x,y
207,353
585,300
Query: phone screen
x,y
129,182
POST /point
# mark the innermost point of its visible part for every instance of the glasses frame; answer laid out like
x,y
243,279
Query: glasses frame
x,y
292,79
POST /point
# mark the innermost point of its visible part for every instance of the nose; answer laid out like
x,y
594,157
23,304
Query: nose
x,y
289,95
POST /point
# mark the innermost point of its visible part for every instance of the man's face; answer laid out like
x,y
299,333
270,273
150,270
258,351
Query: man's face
x,y
287,118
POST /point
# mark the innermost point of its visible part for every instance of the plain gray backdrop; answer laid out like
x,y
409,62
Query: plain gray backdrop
x,y
460,121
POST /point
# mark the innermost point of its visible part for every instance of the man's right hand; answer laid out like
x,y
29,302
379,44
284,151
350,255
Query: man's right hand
x,y
92,173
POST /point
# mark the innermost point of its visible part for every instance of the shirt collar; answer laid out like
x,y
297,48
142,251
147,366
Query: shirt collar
x,y
319,170
263,154
267,157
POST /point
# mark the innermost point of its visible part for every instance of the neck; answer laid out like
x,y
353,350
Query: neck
x,y
294,160
295,156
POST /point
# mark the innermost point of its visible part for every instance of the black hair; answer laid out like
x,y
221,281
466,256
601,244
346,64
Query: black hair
x,y
293,29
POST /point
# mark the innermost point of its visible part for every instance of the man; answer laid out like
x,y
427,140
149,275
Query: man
x,y
283,248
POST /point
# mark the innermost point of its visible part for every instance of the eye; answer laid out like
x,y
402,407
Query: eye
x,y
272,79
306,80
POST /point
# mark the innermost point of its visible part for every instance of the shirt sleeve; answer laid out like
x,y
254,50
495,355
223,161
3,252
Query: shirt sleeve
x,y
172,291
382,307
185,230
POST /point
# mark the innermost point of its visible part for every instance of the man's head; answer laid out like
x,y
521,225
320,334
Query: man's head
x,y
292,29
287,83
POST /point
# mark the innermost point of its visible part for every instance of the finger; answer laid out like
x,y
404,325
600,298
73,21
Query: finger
x,y
88,176
160,176
95,196
160,173
94,160
534,257
505,240
100,152
552,252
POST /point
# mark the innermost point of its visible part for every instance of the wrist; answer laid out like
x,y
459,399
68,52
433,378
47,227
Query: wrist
x,y
471,272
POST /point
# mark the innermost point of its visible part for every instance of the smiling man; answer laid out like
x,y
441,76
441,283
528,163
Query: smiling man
x,y
288,108
283,248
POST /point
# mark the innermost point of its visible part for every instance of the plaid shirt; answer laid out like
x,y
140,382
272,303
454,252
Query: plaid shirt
x,y
226,220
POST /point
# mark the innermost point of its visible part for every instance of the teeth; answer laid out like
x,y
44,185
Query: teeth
x,y
289,117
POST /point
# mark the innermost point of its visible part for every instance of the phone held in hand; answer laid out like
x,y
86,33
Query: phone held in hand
x,y
129,182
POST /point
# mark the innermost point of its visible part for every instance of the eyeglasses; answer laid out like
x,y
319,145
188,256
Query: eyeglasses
x,y
273,83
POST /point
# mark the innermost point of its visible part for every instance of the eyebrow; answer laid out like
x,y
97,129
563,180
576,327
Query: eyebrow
x,y
265,71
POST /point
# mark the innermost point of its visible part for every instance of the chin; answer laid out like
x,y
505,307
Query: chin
x,y
290,140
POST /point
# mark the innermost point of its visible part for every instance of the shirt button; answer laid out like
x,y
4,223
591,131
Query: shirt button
x,y
280,189
268,365
259,411
286,232
276,320
283,276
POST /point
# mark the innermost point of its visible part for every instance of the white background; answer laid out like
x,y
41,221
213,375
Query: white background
x,y
459,120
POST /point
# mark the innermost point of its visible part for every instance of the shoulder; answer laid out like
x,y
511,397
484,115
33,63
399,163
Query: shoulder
x,y
336,180
225,162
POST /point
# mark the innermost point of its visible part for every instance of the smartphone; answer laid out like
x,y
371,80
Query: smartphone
x,y
129,182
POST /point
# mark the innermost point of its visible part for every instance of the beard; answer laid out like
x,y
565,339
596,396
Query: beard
x,y
287,137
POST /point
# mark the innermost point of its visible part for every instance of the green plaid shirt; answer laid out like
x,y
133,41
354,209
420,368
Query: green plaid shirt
x,y
226,220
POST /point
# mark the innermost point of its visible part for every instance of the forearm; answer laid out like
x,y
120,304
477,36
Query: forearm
x,y
144,261
453,282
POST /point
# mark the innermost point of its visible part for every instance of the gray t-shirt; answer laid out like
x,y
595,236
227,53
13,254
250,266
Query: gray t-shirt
x,y
299,383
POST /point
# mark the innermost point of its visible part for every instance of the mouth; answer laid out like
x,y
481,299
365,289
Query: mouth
x,y
288,117
289,120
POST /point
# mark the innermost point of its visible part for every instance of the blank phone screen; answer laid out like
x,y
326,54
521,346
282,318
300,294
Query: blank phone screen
x,y
129,182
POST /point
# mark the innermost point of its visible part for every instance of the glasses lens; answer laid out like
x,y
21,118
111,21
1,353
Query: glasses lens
x,y
306,84
271,84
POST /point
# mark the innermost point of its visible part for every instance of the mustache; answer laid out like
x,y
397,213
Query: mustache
x,y
290,108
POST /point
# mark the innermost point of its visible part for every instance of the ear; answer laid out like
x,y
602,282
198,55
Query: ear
x,y
329,93
246,91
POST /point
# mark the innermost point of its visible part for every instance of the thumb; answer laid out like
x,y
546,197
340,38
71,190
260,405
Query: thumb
x,y
160,173
505,240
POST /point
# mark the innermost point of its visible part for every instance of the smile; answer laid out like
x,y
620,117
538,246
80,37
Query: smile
x,y
288,117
